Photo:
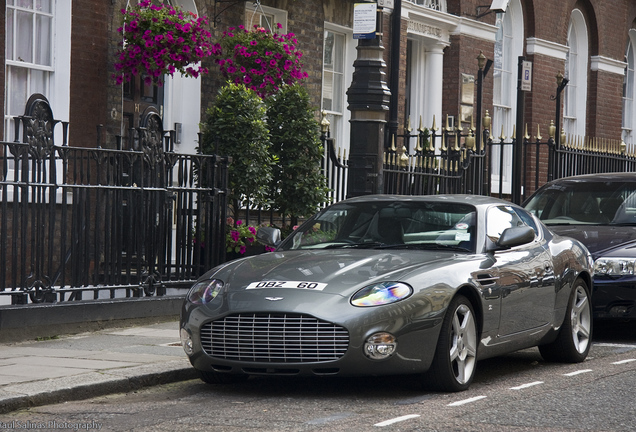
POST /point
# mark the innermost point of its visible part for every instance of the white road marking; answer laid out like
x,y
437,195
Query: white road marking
x,y
582,371
396,420
624,361
615,345
466,401
524,386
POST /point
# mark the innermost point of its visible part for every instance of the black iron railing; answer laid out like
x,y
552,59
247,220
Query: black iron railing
x,y
79,223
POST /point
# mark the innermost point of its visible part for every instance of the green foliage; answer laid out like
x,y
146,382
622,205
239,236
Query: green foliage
x,y
236,124
299,185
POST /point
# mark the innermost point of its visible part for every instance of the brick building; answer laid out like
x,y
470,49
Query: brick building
x,y
65,49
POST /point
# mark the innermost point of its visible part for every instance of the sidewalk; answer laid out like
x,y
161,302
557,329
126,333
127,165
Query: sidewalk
x,y
90,364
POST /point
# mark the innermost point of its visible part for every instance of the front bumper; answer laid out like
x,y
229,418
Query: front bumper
x,y
614,298
415,350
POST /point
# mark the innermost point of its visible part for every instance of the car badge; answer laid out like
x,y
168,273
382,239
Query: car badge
x,y
273,298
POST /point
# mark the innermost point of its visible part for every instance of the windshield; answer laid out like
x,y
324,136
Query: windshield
x,y
388,224
591,203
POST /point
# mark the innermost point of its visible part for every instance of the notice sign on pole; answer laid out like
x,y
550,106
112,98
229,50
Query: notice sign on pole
x,y
526,76
364,20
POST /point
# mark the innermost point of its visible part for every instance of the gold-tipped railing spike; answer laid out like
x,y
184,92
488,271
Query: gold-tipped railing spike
x,y
551,130
448,128
458,127
324,122
408,125
420,129
434,127
623,147
563,135
539,137
443,147
431,144
525,135
487,121
470,141
393,148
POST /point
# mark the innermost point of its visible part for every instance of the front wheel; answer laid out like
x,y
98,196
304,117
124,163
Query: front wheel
x,y
455,359
574,340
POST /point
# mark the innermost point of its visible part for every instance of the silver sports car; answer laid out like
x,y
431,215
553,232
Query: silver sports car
x,y
381,285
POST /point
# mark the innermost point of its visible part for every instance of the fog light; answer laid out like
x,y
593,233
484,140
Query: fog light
x,y
380,346
186,342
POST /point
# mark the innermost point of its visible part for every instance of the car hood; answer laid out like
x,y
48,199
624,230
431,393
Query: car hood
x,y
341,272
601,240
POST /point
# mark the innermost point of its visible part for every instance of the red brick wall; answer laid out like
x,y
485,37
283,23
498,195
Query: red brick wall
x,y
89,70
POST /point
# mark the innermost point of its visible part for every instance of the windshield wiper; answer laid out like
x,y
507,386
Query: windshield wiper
x,y
426,246
369,245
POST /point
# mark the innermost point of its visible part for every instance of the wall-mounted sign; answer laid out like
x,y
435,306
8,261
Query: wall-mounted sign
x,y
364,20
526,76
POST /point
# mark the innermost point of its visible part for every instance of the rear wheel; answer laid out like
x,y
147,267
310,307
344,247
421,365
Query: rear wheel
x,y
455,360
575,337
212,377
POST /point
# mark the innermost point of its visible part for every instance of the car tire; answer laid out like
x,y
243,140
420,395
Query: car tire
x,y
574,340
455,359
211,377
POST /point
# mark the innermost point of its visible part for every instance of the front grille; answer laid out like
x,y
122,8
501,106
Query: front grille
x,y
268,338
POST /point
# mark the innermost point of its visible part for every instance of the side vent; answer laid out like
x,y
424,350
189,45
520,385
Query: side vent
x,y
486,279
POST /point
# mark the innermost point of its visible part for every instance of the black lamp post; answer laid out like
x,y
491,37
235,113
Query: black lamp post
x,y
369,99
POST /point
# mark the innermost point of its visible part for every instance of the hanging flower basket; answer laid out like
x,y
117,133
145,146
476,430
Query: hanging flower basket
x,y
261,60
161,40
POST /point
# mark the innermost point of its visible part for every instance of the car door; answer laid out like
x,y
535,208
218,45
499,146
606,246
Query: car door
x,y
523,275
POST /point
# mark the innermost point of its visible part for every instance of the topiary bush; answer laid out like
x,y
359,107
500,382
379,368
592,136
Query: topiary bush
x,y
235,126
298,185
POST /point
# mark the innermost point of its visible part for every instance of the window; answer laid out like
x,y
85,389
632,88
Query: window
x,y
575,100
439,5
628,91
29,54
337,73
500,218
508,48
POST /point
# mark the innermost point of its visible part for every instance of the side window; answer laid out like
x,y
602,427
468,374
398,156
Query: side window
x,y
528,220
500,218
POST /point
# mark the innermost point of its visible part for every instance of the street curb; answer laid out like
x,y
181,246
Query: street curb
x,y
134,381
27,322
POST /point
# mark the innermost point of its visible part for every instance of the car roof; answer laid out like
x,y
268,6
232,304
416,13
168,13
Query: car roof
x,y
458,198
601,178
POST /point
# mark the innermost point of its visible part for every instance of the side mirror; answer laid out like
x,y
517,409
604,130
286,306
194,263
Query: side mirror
x,y
515,236
268,236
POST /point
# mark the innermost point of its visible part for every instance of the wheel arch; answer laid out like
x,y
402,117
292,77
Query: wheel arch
x,y
473,297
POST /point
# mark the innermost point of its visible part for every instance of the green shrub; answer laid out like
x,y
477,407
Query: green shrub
x,y
235,126
298,183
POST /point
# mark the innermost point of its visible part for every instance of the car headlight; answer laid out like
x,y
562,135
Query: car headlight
x,y
614,266
381,293
204,292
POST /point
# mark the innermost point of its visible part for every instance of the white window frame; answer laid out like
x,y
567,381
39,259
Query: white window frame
x,y
340,127
629,90
511,34
57,85
576,66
